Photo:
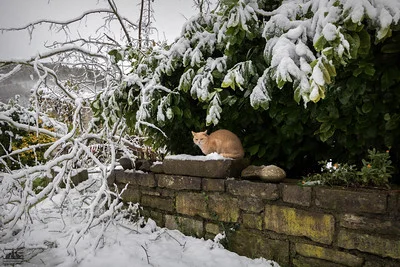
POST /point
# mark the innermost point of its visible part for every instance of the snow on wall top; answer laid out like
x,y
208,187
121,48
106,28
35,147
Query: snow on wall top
x,y
212,156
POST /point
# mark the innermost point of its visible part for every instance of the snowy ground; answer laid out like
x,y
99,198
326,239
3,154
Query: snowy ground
x,y
124,244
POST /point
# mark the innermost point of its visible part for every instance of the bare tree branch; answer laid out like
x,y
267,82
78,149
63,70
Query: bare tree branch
x,y
120,19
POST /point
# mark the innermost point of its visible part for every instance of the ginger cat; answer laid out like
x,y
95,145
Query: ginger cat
x,y
224,142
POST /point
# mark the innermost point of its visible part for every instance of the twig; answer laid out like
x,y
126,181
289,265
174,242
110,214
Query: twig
x,y
114,9
147,255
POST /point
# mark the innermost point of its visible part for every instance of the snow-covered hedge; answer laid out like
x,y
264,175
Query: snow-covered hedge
x,y
262,71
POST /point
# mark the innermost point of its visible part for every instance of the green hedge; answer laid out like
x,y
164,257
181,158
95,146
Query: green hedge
x,y
224,72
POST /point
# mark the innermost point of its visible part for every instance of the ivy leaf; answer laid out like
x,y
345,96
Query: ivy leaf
x,y
327,134
186,80
254,149
320,43
367,107
116,55
228,81
354,42
177,111
261,152
393,123
96,104
297,95
369,70
281,83
325,127
365,42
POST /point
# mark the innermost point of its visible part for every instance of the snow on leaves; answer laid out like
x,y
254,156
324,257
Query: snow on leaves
x,y
214,110
241,14
305,42
295,62
236,76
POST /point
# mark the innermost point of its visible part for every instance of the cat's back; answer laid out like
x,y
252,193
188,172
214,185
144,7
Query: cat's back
x,y
227,144
224,135
224,142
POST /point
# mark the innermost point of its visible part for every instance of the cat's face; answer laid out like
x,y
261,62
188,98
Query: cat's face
x,y
200,138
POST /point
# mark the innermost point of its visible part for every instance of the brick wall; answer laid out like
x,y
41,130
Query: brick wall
x,y
288,223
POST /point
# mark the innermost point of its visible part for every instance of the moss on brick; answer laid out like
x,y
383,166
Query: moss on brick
x,y
316,226
254,244
253,221
192,204
187,226
212,228
130,194
166,204
223,207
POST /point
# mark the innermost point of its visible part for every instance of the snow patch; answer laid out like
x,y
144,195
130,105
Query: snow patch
x,y
212,156
125,243
329,32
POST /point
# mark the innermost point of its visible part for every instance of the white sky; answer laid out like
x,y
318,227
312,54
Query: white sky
x,y
169,14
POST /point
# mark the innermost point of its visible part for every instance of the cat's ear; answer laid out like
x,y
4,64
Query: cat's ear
x,y
205,132
193,133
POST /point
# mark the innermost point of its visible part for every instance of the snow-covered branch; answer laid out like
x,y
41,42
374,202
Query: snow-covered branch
x,y
68,22
45,145
54,52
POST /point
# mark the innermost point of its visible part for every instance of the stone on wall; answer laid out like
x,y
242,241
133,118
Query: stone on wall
x,y
270,173
134,178
348,201
161,203
223,207
156,216
178,182
143,164
251,204
331,255
386,227
254,244
131,194
81,176
380,262
214,206
192,204
369,243
187,226
126,163
253,189
253,221
319,227
213,184
212,228
220,168
157,167
394,204
111,178
300,261
296,194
